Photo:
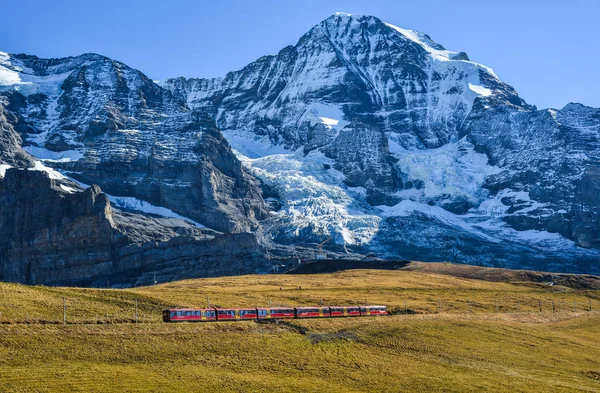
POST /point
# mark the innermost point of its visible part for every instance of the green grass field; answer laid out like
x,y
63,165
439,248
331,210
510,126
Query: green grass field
x,y
502,344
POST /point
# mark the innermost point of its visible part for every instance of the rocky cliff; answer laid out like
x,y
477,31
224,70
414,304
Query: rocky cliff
x,y
57,235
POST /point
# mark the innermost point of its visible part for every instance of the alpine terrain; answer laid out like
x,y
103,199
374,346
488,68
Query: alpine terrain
x,y
364,137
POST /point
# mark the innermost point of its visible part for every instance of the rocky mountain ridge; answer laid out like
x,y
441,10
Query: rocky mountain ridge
x,y
406,130
363,135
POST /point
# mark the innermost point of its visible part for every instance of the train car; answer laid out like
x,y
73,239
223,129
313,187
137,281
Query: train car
x,y
312,312
236,314
373,311
226,314
189,315
344,311
276,313
246,313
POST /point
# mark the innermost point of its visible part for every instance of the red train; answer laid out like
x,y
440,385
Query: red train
x,y
241,314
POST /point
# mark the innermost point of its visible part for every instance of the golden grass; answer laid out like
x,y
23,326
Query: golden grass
x,y
454,350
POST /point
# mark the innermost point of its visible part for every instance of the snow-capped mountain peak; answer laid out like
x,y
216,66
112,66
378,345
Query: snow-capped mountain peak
x,y
363,132
363,128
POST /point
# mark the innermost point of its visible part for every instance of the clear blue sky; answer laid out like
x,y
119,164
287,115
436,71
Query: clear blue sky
x,y
548,50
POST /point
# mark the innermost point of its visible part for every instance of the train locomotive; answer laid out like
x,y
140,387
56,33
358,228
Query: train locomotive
x,y
250,314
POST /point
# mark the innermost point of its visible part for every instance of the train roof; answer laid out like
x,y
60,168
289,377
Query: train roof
x,y
313,307
235,308
276,308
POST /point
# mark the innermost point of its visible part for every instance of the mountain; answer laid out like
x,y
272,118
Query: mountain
x,y
97,121
384,140
365,136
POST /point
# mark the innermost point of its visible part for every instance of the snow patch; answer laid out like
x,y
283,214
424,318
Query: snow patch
x,y
68,189
452,169
14,77
53,174
3,168
406,208
53,156
131,203
250,145
330,115
482,91
427,44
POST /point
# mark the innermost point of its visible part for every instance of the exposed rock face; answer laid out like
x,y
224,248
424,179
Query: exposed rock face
x,y
371,137
11,153
110,125
39,221
55,237
548,160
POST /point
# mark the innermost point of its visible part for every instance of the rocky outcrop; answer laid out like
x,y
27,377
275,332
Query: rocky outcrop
x,y
45,229
11,153
55,237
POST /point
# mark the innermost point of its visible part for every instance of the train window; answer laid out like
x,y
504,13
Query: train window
x,y
173,313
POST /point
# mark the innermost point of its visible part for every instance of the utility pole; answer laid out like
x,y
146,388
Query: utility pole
x,y
552,306
136,310
496,304
590,303
540,305
64,311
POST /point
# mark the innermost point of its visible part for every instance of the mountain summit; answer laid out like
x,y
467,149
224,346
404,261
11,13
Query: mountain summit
x,y
367,134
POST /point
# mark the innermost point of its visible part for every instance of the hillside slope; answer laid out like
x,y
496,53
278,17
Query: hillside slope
x,y
504,349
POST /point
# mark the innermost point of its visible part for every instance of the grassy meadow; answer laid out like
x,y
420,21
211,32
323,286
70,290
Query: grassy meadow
x,y
453,334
